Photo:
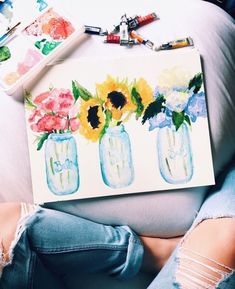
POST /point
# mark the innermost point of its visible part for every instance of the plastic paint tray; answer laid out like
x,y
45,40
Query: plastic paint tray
x,y
38,43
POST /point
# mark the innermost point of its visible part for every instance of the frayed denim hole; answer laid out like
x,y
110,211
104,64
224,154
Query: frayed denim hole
x,y
222,283
224,278
21,228
198,220
197,271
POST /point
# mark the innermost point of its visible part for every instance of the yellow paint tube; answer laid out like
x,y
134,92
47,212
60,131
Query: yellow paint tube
x,y
184,42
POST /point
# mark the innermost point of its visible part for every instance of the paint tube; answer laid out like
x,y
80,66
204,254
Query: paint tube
x,y
143,20
137,21
95,30
184,42
124,35
111,38
141,40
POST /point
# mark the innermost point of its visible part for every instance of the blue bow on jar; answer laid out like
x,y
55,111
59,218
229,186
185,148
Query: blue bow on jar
x,y
59,167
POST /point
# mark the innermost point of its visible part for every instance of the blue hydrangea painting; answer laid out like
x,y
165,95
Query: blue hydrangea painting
x,y
178,102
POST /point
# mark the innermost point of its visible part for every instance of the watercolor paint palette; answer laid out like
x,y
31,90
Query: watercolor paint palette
x,y
38,42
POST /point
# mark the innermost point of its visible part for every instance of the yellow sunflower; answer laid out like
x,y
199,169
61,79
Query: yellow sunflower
x,y
92,119
116,96
145,92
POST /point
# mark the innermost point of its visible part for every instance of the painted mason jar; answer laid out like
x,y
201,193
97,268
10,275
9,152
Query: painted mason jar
x,y
115,158
175,154
62,164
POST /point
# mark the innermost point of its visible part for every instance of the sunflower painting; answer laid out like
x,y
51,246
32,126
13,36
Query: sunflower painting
x,y
113,103
116,96
102,118
92,119
139,125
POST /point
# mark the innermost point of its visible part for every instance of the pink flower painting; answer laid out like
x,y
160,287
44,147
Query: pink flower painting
x,y
53,111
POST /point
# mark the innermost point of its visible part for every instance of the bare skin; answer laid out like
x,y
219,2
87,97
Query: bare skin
x,y
156,252
9,216
214,239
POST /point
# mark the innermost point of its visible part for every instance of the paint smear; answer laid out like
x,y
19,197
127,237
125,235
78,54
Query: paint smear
x,y
46,46
42,5
31,58
6,9
5,53
50,29
52,25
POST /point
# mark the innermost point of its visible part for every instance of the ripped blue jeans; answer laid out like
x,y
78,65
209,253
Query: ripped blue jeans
x,y
54,246
186,269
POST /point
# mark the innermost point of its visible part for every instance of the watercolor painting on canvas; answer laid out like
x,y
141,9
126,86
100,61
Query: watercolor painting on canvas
x,y
117,126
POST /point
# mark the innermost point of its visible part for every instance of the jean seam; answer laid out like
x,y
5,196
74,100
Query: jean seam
x,y
80,248
32,263
132,239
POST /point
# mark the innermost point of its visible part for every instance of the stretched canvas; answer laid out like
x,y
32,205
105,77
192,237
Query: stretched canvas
x,y
111,126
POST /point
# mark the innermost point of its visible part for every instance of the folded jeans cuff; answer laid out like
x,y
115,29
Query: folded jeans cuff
x,y
134,256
